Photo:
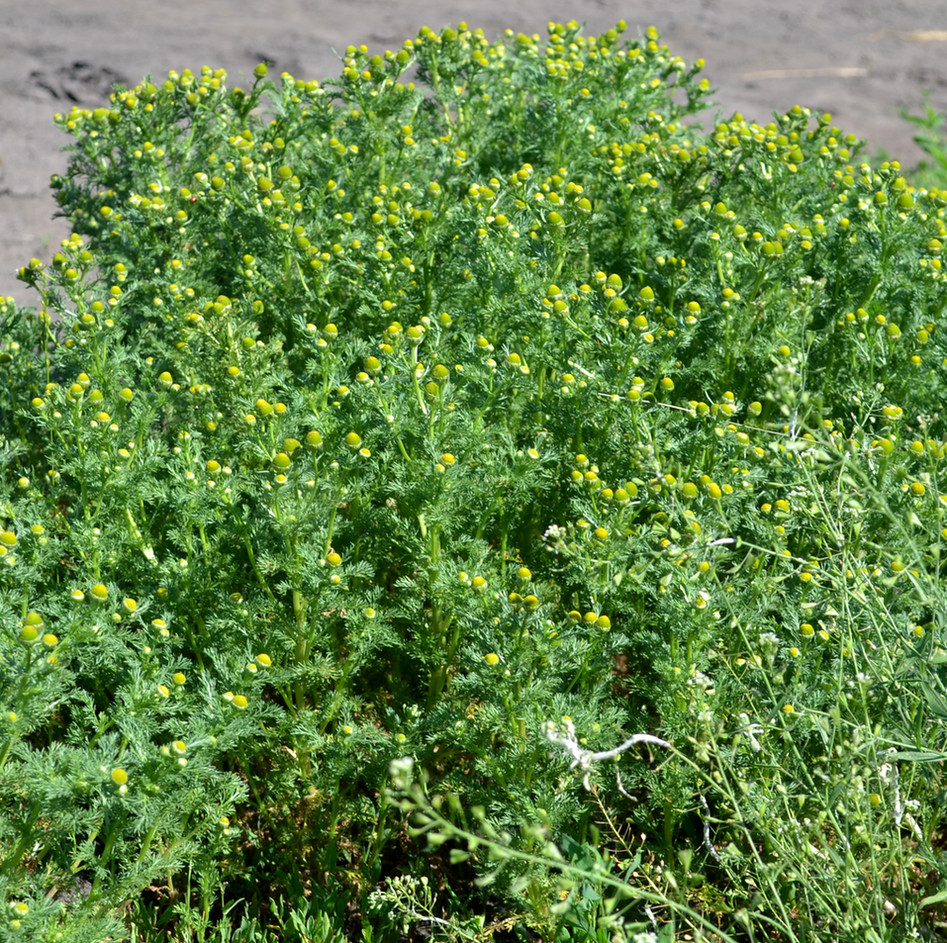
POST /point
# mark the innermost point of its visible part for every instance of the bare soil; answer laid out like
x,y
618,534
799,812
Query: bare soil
x,y
860,60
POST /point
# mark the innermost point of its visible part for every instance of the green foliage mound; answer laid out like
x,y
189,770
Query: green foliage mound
x,y
486,419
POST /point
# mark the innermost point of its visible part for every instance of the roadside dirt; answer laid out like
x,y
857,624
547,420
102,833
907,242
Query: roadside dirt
x,y
860,60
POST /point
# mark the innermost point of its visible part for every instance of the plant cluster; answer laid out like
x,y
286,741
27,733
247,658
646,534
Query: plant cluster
x,y
486,419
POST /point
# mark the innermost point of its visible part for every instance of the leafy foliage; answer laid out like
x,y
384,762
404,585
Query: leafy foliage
x,y
373,418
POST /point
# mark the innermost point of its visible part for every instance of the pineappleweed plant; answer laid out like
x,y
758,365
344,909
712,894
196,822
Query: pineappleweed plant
x,y
377,418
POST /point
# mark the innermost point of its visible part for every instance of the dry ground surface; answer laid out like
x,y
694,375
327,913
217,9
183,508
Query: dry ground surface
x,y
861,60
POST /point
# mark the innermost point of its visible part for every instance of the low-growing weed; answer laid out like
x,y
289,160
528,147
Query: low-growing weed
x,y
489,420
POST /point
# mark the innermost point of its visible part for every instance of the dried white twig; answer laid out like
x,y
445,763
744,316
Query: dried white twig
x,y
583,759
889,775
708,844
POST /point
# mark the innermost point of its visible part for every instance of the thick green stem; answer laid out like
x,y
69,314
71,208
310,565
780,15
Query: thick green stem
x,y
146,843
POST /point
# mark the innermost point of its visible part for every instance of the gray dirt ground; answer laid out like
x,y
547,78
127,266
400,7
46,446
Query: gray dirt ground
x,y
861,60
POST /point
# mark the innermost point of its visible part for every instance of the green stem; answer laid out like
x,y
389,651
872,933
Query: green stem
x,y
25,838
332,516
18,699
378,840
134,530
302,645
146,843
332,849
104,857
252,558
417,390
